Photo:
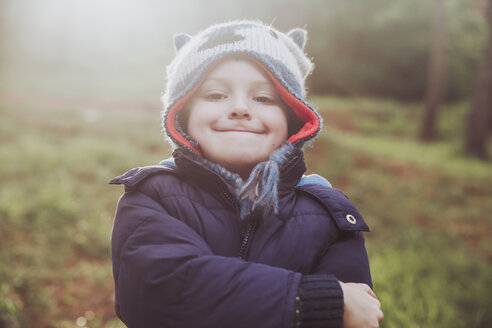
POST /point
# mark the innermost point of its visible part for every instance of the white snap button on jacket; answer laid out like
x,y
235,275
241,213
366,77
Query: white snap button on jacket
x,y
351,219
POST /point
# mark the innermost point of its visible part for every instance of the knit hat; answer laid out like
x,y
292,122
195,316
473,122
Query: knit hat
x,y
280,55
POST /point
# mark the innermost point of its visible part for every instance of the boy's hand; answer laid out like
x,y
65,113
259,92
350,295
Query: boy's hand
x,y
361,306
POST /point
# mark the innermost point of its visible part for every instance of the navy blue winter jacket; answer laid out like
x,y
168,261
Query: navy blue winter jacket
x,y
182,257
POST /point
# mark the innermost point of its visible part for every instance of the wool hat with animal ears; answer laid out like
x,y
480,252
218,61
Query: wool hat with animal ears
x,y
281,55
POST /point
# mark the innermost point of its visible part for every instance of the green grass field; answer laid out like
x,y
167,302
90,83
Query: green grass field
x,y
429,208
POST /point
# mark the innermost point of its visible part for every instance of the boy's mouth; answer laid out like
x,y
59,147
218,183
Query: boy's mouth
x,y
239,130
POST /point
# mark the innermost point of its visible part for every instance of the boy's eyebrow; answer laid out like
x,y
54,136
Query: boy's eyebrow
x,y
225,80
214,79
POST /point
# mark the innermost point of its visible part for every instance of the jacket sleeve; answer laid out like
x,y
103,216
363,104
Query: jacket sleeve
x,y
346,258
167,276
345,254
319,302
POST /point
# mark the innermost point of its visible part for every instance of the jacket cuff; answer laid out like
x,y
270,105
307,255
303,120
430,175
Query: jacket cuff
x,y
319,302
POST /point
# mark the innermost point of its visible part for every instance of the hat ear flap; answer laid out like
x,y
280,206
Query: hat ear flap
x,y
299,36
180,39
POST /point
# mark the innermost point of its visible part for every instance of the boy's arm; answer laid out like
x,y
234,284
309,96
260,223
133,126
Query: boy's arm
x,y
345,254
166,275
346,258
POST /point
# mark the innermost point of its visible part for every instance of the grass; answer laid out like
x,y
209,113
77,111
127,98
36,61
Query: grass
x,y
441,155
57,209
428,206
432,281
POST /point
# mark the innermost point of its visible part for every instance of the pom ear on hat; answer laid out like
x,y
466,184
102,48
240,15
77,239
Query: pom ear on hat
x,y
180,39
299,36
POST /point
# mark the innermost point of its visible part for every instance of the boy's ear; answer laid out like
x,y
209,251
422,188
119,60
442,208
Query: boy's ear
x,y
299,36
180,39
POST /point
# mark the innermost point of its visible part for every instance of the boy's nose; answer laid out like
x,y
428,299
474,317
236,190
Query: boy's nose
x,y
238,114
240,110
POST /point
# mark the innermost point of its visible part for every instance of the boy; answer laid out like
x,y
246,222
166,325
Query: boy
x,y
229,233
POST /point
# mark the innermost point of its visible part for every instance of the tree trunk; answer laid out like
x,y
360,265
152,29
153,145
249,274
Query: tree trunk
x,y
480,116
437,73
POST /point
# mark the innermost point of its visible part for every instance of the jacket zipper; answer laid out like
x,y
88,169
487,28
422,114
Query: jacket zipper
x,y
246,240
248,234
228,197
247,237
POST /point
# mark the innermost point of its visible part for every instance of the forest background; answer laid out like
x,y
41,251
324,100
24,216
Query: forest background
x,y
80,85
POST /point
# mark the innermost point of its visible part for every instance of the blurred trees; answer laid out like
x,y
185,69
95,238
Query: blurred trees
x,y
480,116
436,72
360,47
381,47
369,47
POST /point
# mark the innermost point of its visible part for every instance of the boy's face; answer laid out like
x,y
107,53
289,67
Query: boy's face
x,y
237,116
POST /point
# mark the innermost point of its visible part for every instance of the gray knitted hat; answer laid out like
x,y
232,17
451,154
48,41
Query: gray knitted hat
x,y
282,57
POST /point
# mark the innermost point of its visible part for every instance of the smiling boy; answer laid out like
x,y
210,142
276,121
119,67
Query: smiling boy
x,y
230,233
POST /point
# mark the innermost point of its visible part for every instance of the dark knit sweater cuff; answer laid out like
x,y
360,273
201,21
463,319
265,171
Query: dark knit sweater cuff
x,y
319,302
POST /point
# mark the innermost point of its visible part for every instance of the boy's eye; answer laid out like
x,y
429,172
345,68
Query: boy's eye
x,y
215,96
263,99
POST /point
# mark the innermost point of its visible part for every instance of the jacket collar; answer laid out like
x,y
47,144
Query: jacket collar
x,y
207,171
